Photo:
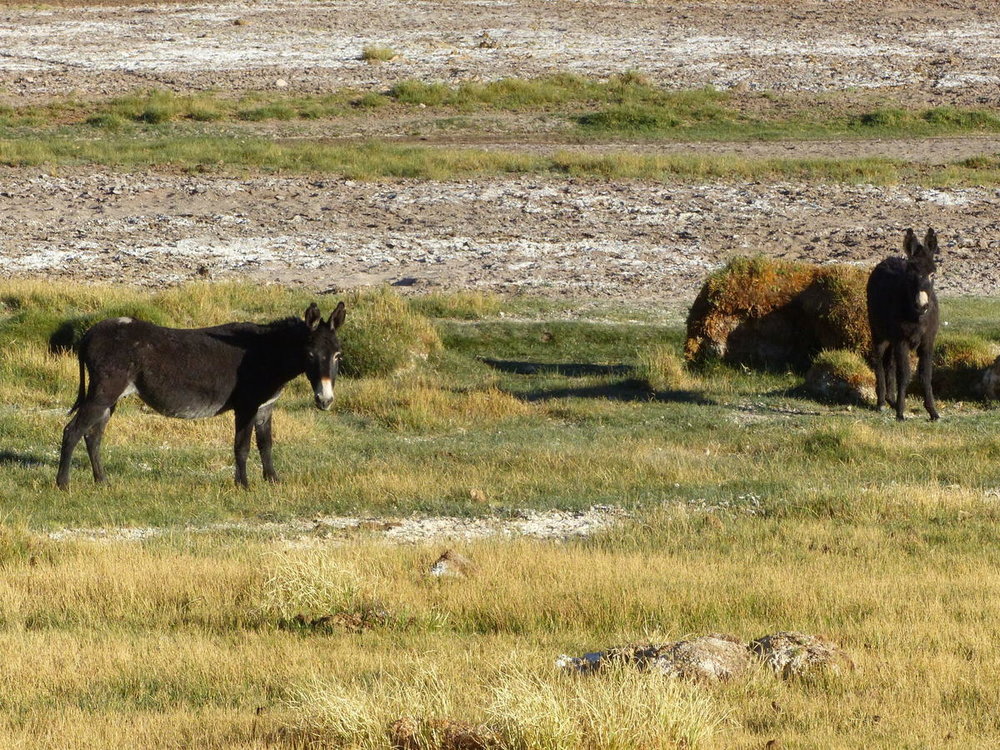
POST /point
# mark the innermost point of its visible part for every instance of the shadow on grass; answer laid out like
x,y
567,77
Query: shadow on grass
x,y
626,389
569,369
10,458
621,390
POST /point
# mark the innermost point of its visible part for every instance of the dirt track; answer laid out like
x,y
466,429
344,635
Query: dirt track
x,y
625,240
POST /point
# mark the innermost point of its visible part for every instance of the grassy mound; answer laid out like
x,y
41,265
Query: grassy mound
x,y
841,376
383,334
777,314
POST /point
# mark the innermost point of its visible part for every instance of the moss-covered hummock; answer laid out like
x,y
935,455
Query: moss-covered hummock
x,y
777,314
841,376
960,366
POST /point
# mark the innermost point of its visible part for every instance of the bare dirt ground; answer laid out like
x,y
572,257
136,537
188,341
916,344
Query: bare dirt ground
x,y
635,241
931,51
627,240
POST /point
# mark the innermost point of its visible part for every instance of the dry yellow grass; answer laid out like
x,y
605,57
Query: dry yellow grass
x,y
183,642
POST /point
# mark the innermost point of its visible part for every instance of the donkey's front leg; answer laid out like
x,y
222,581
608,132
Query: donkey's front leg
x,y
901,352
878,364
241,444
262,429
925,362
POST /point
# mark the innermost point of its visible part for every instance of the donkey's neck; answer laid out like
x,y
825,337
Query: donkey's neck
x,y
285,344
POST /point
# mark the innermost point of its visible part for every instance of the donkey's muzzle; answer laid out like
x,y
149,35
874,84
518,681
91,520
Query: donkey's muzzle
x,y
324,394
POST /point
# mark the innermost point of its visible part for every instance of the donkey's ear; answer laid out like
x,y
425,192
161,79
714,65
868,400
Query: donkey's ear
x,y
910,244
313,316
337,317
930,242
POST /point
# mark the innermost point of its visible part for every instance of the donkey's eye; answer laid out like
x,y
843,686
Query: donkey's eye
x,y
336,356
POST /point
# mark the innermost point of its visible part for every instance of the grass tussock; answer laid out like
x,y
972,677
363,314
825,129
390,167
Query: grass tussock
x,y
663,369
513,709
377,54
841,376
383,335
462,305
960,363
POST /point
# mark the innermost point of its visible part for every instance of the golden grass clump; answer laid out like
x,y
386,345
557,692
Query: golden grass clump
x,y
511,708
663,369
419,402
375,54
777,314
462,305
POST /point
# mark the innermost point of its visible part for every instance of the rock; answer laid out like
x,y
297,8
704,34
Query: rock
x,y
790,654
452,565
586,663
281,83
710,658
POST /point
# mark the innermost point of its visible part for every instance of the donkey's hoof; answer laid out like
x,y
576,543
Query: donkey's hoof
x,y
64,486
273,479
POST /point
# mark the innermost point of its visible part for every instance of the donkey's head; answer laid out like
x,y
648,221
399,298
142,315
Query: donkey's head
x,y
920,268
322,352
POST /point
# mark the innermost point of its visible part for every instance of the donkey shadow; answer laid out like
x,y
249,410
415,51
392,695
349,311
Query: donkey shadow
x,y
25,460
626,388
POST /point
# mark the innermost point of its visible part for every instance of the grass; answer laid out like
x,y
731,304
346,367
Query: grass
x,y
756,510
625,105
374,160
375,54
181,640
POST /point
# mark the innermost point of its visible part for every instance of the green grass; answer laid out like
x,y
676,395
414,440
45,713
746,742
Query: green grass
x,y
375,54
528,413
625,105
375,160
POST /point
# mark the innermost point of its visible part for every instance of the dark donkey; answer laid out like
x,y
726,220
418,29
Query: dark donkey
x,y
201,372
903,315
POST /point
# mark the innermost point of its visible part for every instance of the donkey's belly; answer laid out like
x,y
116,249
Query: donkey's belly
x,y
184,406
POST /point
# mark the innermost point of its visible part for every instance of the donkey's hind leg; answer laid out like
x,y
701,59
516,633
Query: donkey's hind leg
x,y
925,368
93,438
91,414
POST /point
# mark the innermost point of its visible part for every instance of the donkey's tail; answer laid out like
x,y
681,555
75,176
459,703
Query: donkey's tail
x,y
82,390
